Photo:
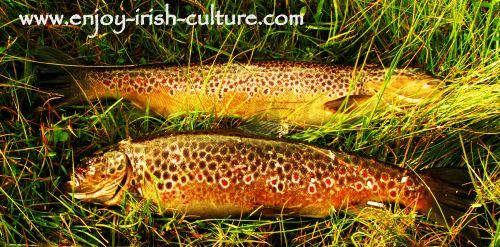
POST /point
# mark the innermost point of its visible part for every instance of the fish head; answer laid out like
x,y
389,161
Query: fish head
x,y
101,178
409,86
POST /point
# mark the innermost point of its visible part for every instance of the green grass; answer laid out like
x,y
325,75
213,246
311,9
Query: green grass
x,y
455,40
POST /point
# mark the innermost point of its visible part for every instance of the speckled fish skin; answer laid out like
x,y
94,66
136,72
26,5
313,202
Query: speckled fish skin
x,y
220,175
295,92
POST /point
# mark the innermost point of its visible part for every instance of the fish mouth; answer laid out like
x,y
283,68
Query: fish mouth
x,y
97,193
74,187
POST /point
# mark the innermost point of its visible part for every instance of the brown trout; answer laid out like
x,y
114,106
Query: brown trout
x,y
217,174
301,93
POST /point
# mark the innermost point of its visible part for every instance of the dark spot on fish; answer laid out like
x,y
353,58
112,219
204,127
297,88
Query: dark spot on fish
x,y
185,152
259,152
209,148
157,162
160,186
258,162
169,185
202,145
148,177
232,150
280,160
175,157
164,167
223,166
393,193
296,156
218,158
280,187
321,166
303,170
212,166
172,168
165,175
208,157
202,164
164,154
391,184
194,155
223,150
251,156
253,168
263,167
239,145
192,165
330,167
319,175
272,164
310,165
280,171
175,177
287,167
157,174
202,154
182,166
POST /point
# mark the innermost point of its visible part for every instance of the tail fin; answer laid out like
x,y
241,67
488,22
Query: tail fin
x,y
452,197
58,73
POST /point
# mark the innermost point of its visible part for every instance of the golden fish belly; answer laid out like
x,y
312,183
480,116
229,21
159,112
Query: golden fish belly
x,y
308,109
213,175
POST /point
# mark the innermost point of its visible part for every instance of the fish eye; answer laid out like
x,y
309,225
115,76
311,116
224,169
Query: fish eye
x,y
120,167
116,161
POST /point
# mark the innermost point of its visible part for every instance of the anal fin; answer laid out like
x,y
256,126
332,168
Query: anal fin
x,y
278,211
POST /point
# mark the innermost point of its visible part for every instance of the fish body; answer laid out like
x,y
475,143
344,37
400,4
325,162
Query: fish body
x,y
302,93
221,175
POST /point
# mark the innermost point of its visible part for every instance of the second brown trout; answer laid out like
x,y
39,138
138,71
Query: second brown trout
x,y
224,174
301,93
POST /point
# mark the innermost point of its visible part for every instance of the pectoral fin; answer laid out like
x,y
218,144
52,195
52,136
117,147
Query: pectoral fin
x,y
352,102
